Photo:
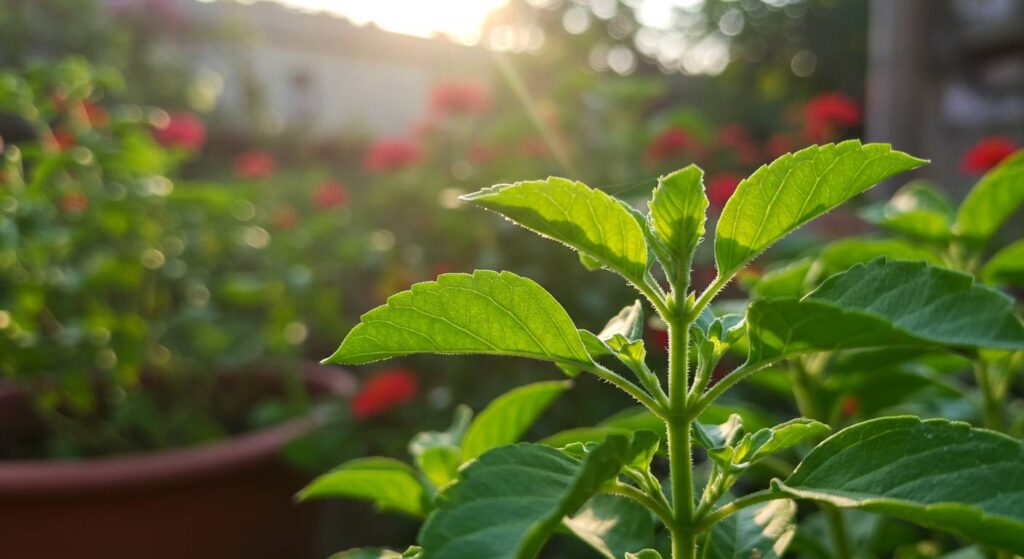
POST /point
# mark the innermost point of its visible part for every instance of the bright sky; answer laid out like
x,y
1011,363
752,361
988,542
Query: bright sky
x,y
459,19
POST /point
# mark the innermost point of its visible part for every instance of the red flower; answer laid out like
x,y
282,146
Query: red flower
x,y
74,202
384,391
721,187
458,98
481,154
255,164
850,406
534,146
64,139
285,217
97,116
672,142
827,114
656,333
391,154
183,131
737,139
330,194
779,145
987,153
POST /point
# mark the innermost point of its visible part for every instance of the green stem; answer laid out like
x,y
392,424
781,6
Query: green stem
x,y
804,392
684,545
726,510
990,400
629,388
707,295
837,525
719,388
630,492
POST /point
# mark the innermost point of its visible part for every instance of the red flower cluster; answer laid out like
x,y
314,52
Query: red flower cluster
x,y
74,202
391,154
255,164
737,139
97,116
721,187
829,113
64,140
670,143
458,98
330,194
182,131
987,153
384,391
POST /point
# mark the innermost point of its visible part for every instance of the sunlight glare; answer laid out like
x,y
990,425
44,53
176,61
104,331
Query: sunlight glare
x,y
458,19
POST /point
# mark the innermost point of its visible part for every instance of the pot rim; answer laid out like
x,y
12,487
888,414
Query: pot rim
x,y
37,478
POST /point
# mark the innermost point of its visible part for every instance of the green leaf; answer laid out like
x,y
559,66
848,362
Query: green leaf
x,y
505,419
483,313
1006,266
439,464
644,554
367,553
613,525
884,304
572,213
763,531
717,436
789,280
509,501
794,189
941,474
677,216
437,453
843,254
918,210
992,201
389,484
785,435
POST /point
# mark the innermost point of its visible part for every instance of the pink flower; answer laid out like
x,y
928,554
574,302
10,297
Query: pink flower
x,y
828,114
383,391
183,131
255,164
721,187
330,194
987,153
458,98
391,154
670,143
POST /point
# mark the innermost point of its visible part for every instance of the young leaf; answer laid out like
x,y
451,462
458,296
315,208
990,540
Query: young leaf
x,y
884,304
483,313
510,501
918,210
991,202
389,484
572,213
1006,266
613,525
505,419
677,215
785,435
794,189
629,323
439,464
934,472
763,531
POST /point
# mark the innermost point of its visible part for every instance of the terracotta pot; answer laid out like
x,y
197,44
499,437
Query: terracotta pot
x,y
223,500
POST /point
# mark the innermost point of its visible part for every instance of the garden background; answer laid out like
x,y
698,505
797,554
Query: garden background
x,y
199,199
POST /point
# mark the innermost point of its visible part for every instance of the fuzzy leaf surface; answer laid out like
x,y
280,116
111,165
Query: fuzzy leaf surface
x,y
613,525
509,502
677,213
572,213
481,313
796,188
944,475
885,304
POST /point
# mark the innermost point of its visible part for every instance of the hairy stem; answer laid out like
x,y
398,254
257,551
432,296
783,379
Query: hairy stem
x,y
629,388
727,510
707,295
656,506
684,545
